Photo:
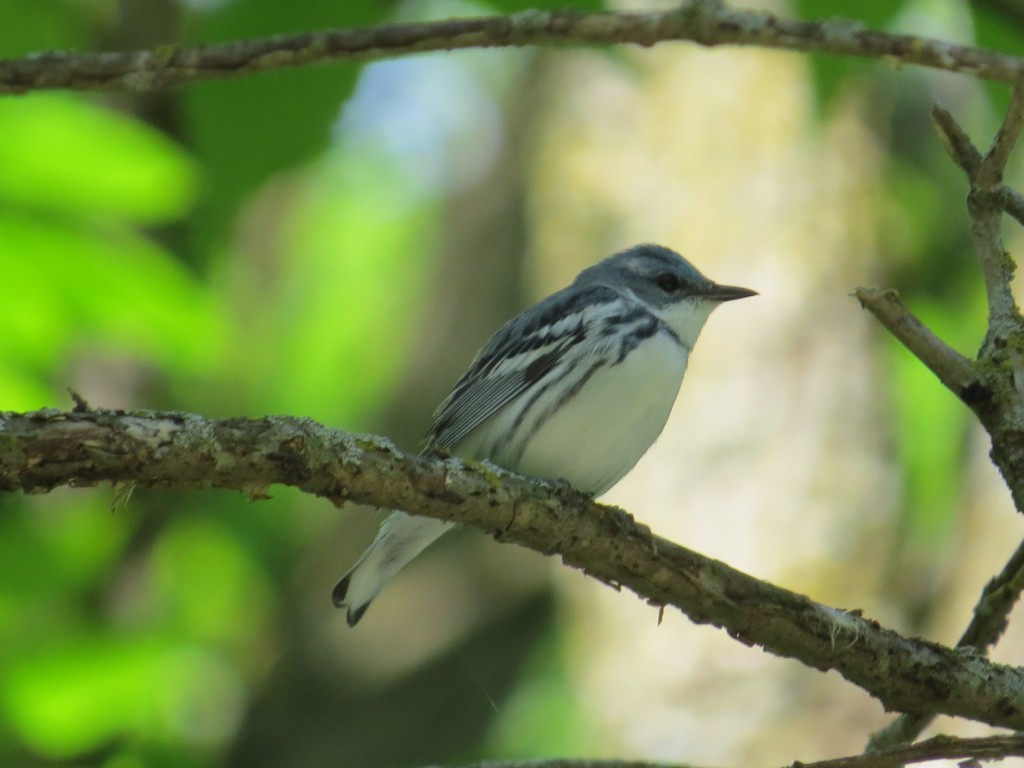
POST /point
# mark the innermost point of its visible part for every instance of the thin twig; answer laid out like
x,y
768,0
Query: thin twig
x,y
954,370
985,209
963,152
986,202
987,625
699,21
990,174
1012,202
936,748
993,609
956,141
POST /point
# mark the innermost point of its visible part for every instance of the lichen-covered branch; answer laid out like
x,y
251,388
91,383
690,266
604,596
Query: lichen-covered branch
x,y
42,450
989,621
987,200
985,207
707,22
995,389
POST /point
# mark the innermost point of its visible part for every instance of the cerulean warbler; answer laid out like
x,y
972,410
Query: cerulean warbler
x,y
577,388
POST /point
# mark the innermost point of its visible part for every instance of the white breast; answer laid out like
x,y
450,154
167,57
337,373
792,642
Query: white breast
x,y
594,438
599,435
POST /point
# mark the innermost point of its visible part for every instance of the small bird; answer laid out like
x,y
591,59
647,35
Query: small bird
x,y
577,388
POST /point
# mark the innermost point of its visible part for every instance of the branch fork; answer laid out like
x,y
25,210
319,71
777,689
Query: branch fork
x,y
991,385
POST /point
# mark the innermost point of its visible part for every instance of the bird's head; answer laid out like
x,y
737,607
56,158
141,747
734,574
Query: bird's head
x,y
666,283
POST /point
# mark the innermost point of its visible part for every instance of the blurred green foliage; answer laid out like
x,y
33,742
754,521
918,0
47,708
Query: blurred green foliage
x,y
74,182
137,260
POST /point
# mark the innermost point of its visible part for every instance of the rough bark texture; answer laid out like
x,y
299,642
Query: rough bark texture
x,y
42,450
706,22
992,385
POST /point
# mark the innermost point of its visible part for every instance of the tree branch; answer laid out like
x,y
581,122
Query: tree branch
x,y
956,141
985,207
936,748
953,369
707,22
965,154
991,615
45,449
990,174
986,202
1013,203
994,386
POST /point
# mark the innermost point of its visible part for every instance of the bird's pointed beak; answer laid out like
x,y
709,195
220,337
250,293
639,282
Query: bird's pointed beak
x,y
716,292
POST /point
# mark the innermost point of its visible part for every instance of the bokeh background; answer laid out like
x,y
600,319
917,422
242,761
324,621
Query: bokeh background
x,y
336,242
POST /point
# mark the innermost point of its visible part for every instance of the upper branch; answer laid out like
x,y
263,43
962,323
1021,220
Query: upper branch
x,y
986,202
706,22
46,449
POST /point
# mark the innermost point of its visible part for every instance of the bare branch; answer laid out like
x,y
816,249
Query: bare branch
x,y
990,174
987,625
957,143
699,21
937,748
985,207
966,155
45,449
997,399
986,202
953,369
993,609
1012,202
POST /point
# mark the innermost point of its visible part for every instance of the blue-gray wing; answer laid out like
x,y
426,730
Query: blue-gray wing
x,y
519,355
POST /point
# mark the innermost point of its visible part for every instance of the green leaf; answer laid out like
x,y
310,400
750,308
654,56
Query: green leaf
x,y
330,332
41,25
83,694
247,130
69,287
207,586
60,152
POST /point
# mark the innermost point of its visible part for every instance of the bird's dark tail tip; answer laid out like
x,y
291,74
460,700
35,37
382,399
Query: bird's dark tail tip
x,y
338,594
355,614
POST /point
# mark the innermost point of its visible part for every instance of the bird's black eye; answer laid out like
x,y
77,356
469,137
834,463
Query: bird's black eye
x,y
669,282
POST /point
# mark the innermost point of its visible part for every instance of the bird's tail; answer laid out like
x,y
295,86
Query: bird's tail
x,y
400,539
